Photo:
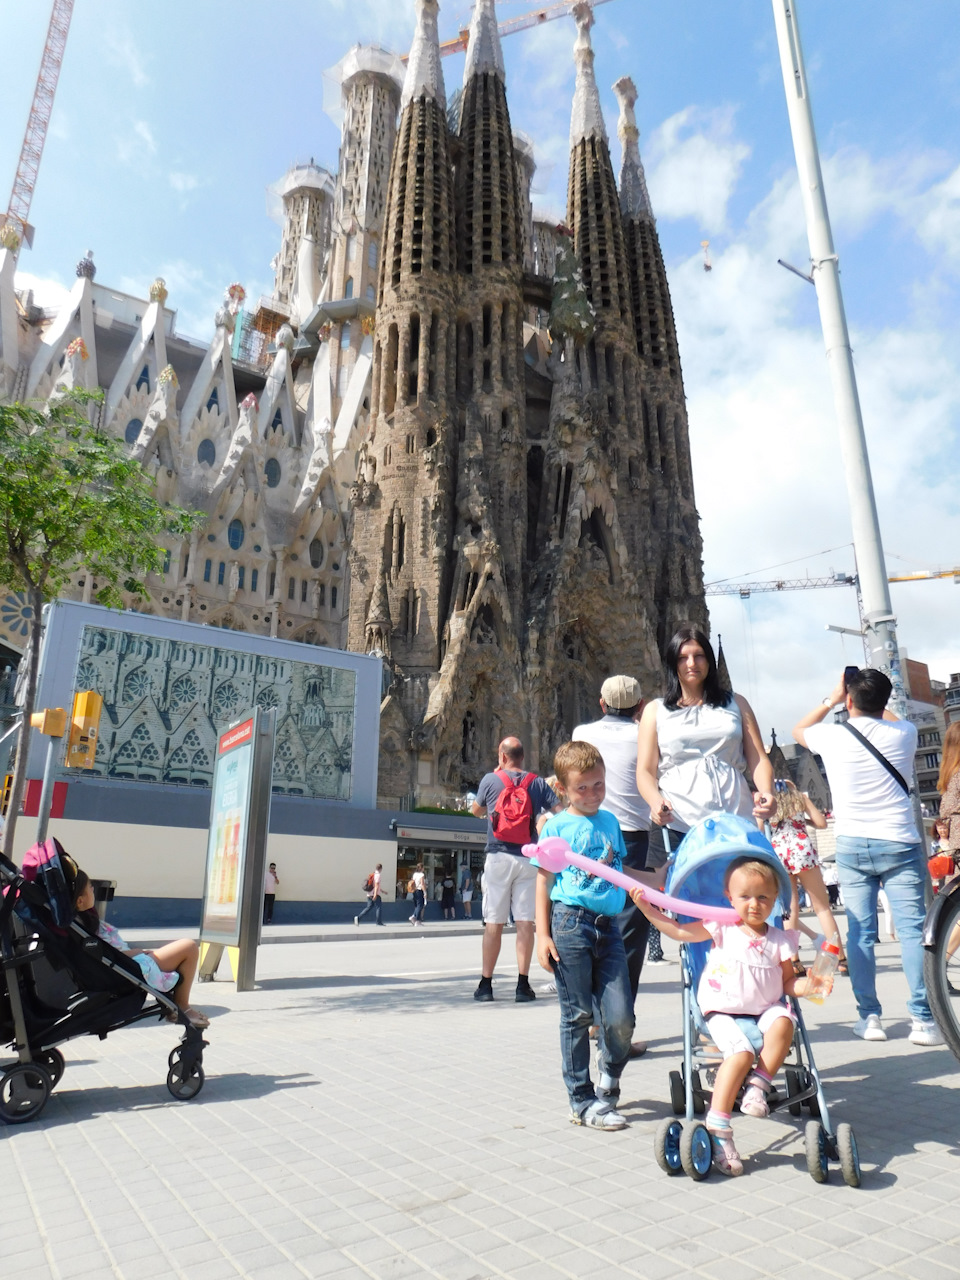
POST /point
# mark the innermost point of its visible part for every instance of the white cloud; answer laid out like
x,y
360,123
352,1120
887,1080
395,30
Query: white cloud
x,y
693,163
769,479
184,182
121,50
145,134
49,293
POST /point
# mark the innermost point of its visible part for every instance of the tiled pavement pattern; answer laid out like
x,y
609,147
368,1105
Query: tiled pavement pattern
x,y
363,1117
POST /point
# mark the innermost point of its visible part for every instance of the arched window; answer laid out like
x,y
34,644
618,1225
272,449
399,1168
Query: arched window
x,y
272,473
348,288
214,400
345,336
132,431
206,453
372,255
235,532
371,293
144,379
277,420
316,553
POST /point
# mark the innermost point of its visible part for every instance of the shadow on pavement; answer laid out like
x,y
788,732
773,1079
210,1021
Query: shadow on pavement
x,y
67,1106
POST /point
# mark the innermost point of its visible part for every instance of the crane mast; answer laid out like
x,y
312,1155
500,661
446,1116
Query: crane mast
x,y
18,210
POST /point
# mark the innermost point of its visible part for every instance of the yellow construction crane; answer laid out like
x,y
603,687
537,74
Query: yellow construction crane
x,y
746,589
534,18
16,228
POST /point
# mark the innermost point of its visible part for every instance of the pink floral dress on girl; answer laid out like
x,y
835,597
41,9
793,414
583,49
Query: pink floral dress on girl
x,y
152,973
793,846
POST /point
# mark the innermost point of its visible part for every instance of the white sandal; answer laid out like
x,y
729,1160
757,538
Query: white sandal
x,y
599,1115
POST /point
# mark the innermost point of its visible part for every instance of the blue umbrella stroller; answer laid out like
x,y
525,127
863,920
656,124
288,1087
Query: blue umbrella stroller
x,y
696,874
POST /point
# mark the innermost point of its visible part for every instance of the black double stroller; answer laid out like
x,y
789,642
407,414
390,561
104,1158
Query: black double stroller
x,y
58,982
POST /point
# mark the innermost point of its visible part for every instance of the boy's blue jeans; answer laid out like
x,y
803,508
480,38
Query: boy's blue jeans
x,y
592,973
866,866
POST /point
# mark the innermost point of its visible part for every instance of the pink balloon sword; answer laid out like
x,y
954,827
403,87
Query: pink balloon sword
x,y
553,854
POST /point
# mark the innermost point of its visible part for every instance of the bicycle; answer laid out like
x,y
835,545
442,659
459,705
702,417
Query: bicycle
x,y
941,962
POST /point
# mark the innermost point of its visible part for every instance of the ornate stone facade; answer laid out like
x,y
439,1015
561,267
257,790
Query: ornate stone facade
x,y
455,435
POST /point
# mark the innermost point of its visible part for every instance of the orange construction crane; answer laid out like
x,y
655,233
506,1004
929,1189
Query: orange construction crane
x,y
746,589
533,19
21,196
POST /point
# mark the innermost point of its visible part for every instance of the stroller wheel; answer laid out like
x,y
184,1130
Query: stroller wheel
x,y
849,1155
815,1141
696,1153
185,1082
667,1146
677,1099
54,1063
24,1090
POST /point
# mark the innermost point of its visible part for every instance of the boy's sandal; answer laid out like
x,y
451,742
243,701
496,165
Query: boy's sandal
x,y
726,1157
599,1115
842,969
197,1019
799,968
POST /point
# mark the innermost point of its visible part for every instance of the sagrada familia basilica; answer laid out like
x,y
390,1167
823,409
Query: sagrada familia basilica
x,y
454,436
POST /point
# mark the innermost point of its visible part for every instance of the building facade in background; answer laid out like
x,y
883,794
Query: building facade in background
x,y
454,435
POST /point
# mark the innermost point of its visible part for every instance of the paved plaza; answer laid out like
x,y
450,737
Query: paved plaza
x,y
363,1118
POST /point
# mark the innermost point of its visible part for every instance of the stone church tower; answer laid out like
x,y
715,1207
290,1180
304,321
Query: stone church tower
x,y
529,524
454,435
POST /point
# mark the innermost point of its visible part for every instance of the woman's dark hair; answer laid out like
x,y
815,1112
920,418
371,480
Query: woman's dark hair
x,y
714,694
89,918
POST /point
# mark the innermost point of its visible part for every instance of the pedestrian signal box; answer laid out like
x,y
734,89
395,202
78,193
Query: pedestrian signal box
x,y
84,730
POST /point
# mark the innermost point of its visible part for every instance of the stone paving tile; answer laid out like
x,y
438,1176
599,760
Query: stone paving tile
x,y
277,1171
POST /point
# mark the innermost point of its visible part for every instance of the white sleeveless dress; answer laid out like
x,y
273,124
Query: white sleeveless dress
x,y
702,763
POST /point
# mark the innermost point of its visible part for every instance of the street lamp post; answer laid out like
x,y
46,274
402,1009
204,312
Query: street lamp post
x,y
879,624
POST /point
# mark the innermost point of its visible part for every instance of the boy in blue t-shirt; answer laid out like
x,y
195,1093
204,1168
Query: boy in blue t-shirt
x,y
578,939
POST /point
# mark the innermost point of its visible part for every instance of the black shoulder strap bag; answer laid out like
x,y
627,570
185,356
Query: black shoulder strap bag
x,y
878,755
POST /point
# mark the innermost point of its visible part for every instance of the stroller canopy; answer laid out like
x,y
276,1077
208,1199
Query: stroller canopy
x,y
699,864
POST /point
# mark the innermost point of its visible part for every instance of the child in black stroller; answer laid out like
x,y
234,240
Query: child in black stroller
x,y
62,978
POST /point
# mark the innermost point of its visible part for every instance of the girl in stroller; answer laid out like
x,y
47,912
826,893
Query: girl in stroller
x,y
171,967
741,994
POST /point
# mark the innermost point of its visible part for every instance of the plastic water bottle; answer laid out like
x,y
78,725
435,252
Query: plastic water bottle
x,y
824,970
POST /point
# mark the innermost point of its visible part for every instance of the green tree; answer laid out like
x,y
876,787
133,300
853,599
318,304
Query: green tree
x,y
71,498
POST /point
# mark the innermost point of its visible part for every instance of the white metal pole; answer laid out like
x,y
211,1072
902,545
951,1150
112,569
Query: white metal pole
x,y
880,636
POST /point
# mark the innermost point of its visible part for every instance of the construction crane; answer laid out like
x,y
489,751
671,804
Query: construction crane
x,y
16,228
532,19
746,589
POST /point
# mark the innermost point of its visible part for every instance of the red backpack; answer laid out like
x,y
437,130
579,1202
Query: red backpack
x,y
512,818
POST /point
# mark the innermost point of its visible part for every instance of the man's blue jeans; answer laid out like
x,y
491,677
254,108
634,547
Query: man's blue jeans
x,y
865,866
373,904
592,974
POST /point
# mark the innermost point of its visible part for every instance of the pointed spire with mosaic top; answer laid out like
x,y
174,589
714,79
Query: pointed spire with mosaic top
x,y
418,234
657,345
593,202
489,226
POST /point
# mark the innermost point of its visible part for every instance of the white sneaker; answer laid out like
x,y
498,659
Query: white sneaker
x,y
926,1033
869,1028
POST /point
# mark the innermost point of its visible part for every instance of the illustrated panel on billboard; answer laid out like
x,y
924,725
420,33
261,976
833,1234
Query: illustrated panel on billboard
x,y
227,838
166,701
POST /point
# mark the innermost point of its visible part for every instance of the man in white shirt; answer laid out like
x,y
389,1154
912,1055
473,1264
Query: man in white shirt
x,y
271,883
877,841
615,737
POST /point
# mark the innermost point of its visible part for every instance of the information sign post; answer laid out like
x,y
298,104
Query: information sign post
x,y
237,846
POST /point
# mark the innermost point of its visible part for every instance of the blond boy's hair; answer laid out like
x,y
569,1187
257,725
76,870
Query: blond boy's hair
x,y
575,757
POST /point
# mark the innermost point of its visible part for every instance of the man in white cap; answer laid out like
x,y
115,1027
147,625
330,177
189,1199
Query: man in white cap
x,y
615,737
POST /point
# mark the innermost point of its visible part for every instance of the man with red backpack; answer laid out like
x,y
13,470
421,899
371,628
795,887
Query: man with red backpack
x,y
510,799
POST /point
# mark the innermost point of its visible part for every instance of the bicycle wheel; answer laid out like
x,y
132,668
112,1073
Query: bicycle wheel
x,y
941,973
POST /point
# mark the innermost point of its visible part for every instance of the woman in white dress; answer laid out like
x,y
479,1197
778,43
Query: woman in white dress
x,y
694,744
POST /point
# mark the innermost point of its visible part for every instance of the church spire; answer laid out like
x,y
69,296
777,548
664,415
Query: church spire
x,y
424,77
586,120
484,53
634,197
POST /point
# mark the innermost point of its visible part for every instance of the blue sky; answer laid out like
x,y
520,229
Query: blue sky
x,y
172,120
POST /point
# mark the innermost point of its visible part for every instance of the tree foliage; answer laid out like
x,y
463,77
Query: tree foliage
x,y
71,498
